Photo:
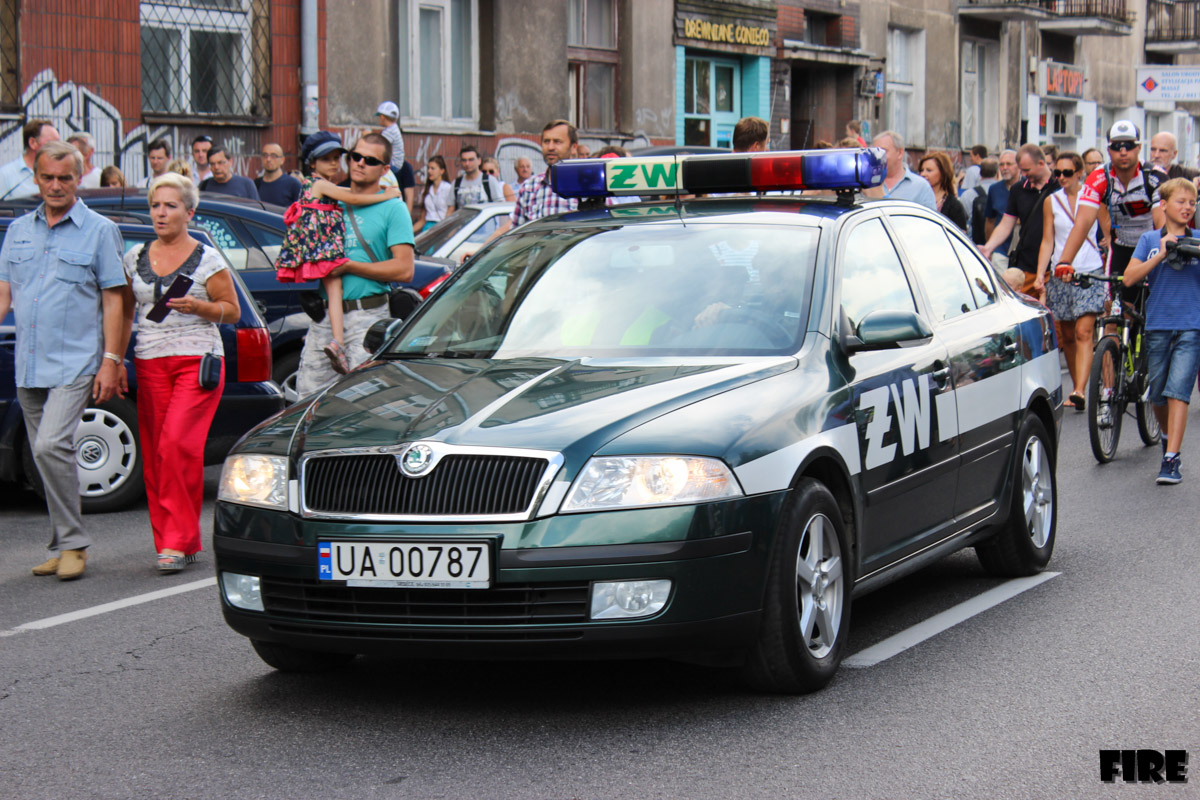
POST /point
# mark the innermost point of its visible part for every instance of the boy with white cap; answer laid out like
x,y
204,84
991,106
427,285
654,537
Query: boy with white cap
x,y
389,114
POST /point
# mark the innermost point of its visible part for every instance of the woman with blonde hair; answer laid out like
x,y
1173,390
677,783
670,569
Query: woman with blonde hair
x,y
180,167
175,406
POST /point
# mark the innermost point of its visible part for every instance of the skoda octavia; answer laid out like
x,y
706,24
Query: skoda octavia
x,y
686,427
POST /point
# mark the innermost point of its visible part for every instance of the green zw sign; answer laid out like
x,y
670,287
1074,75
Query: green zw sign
x,y
649,176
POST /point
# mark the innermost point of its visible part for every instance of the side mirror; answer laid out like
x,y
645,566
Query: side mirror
x,y
379,333
881,329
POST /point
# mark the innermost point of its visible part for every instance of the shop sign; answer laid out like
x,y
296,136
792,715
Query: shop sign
x,y
1168,83
725,32
1061,80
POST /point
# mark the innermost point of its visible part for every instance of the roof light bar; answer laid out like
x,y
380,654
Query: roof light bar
x,y
793,170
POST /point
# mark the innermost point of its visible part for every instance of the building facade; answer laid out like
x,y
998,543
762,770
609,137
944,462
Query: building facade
x,y
130,73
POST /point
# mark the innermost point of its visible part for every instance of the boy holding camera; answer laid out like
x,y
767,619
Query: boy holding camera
x,y
1172,317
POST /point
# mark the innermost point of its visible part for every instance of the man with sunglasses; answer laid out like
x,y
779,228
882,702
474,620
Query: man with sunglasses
x,y
1129,191
379,244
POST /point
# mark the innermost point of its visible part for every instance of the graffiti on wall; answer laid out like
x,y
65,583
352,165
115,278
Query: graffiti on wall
x,y
72,108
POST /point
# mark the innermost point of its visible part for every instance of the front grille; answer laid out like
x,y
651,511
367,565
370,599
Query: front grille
x,y
460,485
508,604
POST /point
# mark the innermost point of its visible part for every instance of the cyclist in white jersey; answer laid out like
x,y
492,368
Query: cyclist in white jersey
x,y
1129,190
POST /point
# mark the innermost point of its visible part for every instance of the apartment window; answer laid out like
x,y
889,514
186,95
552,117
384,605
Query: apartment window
x,y
980,81
816,27
592,63
10,88
206,58
438,71
905,99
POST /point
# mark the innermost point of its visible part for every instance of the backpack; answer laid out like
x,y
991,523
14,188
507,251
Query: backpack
x,y
979,216
487,187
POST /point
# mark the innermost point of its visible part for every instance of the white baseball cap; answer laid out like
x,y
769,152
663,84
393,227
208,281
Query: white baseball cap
x,y
1124,131
388,109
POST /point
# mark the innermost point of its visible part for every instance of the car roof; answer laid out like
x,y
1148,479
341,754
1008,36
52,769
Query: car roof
x,y
776,210
498,206
134,200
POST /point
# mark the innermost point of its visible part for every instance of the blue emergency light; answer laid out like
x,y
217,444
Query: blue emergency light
x,y
791,170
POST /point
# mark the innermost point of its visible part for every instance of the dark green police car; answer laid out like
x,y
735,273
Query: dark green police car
x,y
695,428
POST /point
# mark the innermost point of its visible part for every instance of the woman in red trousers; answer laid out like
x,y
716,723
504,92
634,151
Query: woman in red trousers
x,y
174,410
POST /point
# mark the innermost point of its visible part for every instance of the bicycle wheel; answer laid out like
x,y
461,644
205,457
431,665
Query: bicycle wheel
x,y
1106,405
1148,427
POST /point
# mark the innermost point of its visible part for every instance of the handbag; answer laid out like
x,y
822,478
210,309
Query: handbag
x,y
312,304
210,363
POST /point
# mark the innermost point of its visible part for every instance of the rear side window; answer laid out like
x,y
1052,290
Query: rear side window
x,y
225,237
933,259
872,275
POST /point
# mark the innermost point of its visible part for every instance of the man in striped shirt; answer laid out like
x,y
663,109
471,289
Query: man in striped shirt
x,y
535,197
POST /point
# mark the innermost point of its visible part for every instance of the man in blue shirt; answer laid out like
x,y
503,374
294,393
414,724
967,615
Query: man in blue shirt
x,y
383,255
223,181
61,273
16,177
1172,319
997,202
901,183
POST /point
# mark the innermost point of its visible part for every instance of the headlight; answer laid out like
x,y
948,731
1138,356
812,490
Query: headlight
x,y
633,481
255,481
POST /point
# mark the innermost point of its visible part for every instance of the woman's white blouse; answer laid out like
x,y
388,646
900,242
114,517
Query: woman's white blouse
x,y
178,334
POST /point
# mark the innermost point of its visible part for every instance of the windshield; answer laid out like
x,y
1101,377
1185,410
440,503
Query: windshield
x,y
641,290
429,241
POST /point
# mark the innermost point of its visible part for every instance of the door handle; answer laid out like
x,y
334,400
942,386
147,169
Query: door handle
x,y
940,376
1010,350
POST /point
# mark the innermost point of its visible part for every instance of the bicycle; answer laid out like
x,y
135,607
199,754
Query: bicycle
x,y
1120,375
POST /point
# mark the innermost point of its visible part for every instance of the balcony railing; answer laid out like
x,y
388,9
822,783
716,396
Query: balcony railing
x,y
1073,17
1173,25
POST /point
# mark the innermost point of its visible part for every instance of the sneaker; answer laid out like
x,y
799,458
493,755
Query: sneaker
x,y
1169,473
337,357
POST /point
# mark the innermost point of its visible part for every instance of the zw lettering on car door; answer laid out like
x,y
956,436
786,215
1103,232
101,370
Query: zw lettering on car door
x,y
902,400
982,337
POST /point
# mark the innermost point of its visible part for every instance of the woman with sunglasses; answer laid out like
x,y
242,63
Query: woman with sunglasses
x,y
937,169
1074,307
491,166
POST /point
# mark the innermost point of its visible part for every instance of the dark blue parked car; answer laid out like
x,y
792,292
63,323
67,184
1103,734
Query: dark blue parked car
x,y
250,233
107,450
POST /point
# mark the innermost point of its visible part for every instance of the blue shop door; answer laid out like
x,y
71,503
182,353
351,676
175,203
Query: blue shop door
x,y
712,101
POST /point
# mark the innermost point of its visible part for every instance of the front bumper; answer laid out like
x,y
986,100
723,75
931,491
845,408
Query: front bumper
x,y
538,606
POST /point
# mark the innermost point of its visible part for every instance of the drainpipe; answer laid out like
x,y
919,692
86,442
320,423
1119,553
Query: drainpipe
x,y
310,100
1024,61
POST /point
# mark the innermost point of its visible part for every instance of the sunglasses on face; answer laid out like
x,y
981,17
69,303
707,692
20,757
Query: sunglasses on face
x,y
1122,146
370,161
1064,173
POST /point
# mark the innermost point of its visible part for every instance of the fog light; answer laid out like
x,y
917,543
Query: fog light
x,y
242,591
629,599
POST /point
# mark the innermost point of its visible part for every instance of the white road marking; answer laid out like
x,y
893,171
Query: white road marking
x,y
116,605
894,645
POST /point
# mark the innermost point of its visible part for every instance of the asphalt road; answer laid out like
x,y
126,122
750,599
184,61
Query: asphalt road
x,y
160,699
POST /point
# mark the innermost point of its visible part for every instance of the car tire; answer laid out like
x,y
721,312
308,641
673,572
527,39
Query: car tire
x,y
1025,541
806,614
286,366
109,456
286,658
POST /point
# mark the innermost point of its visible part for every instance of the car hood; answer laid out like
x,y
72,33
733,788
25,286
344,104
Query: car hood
x,y
572,407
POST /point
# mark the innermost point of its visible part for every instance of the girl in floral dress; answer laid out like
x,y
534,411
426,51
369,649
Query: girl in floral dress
x,y
315,242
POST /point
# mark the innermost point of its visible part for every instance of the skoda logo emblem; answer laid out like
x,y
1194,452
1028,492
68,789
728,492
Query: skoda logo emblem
x,y
416,460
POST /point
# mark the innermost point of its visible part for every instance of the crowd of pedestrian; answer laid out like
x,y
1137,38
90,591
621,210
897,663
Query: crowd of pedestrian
x,y
1039,215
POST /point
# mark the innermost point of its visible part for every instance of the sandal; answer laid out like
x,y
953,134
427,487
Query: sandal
x,y
170,563
337,357
1077,401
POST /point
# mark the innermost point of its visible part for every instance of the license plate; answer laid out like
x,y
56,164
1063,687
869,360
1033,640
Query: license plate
x,y
414,565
